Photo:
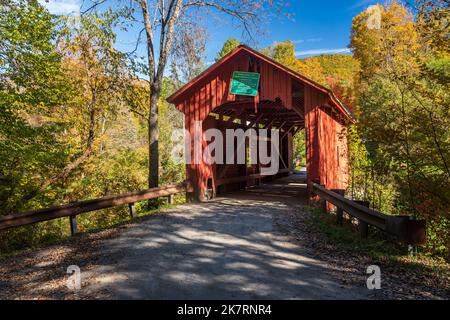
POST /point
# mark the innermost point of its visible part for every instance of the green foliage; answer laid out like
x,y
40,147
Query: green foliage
x,y
283,52
32,87
73,119
300,149
343,66
227,47
403,108
368,180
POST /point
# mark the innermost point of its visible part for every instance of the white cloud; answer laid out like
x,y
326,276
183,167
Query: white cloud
x,y
322,51
361,3
62,7
307,40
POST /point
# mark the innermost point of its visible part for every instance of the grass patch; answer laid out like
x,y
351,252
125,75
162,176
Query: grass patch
x,y
379,247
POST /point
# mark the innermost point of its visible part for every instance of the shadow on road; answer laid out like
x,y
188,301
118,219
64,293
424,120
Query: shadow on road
x,y
230,248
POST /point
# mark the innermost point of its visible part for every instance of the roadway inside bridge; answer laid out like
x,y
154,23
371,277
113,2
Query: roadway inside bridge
x,y
238,246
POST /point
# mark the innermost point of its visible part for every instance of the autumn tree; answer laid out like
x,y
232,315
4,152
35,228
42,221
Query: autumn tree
x,y
433,21
403,104
32,87
284,53
94,68
227,47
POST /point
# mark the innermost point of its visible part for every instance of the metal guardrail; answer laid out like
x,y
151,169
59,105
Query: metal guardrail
x,y
75,208
404,228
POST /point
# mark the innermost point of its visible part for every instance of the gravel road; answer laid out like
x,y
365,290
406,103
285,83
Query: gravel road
x,y
230,248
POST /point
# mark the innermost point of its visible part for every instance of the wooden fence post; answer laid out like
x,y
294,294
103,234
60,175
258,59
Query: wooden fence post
x,y
73,225
339,211
323,202
363,229
132,210
412,249
170,199
363,226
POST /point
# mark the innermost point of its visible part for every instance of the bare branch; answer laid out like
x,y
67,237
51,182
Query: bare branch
x,y
165,49
149,33
138,41
246,17
93,6
138,113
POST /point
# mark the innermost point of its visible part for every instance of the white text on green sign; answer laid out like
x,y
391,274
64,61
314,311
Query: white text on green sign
x,y
245,83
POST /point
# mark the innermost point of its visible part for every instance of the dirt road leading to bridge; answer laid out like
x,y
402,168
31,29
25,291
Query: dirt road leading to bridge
x,y
229,248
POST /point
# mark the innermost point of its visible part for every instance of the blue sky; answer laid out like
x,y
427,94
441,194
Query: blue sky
x,y
316,27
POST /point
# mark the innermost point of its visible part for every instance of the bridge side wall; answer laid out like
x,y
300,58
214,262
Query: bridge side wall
x,y
326,142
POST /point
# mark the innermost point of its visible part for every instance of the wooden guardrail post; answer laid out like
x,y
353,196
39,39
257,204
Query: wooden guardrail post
x,y
132,210
73,225
323,202
363,226
339,210
412,249
363,229
170,199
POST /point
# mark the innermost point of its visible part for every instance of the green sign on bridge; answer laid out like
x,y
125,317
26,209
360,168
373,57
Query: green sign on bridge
x,y
245,83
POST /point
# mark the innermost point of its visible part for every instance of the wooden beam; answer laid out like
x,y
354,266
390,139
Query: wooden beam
x,y
268,125
245,178
233,117
287,131
255,121
279,114
298,112
296,130
281,125
73,225
281,158
132,210
295,123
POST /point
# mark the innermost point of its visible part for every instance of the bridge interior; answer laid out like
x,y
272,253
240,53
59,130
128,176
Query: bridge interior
x,y
269,115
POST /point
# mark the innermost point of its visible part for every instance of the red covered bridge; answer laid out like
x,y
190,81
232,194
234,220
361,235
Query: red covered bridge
x,y
285,100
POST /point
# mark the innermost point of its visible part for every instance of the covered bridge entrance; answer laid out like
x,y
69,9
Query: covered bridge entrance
x,y
284,100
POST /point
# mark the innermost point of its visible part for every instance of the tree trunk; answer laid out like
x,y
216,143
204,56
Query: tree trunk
x,y
153,137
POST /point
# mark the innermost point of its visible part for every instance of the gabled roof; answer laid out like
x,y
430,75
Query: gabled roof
x,y
338,104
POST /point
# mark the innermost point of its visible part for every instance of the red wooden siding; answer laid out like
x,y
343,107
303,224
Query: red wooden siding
x,y
326,142
324,116
213,90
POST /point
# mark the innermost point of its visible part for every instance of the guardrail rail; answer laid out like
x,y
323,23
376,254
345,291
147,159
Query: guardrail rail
x,y
405,228
73,209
